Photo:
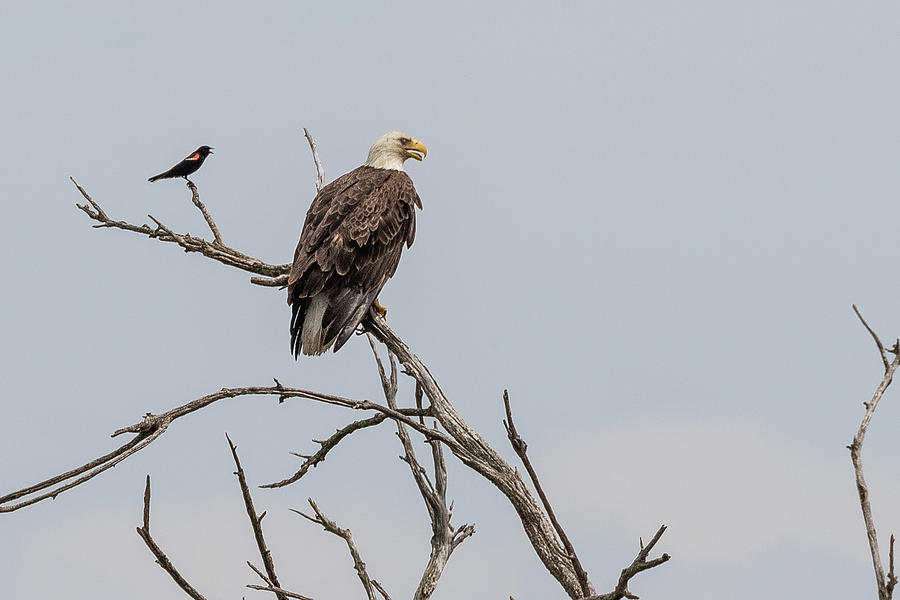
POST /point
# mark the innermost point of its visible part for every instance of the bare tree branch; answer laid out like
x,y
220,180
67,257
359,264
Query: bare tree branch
x,y
445,538
332,527
479,456
280,591
640,563
256,524
885,584
320,170
151,427
195,198
327,445
521,449
218,252
92,469
161,558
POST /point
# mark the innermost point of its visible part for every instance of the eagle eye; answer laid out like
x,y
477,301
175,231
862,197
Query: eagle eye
x,y
405,140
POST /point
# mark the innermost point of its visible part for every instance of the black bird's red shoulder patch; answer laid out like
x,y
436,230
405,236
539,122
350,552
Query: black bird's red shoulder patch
x,y
194,156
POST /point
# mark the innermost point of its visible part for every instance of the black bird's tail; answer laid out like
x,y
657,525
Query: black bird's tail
x,y
155,177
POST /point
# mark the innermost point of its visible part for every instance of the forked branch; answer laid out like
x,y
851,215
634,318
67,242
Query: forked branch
x,y
332,527
445,537
639,564
885,583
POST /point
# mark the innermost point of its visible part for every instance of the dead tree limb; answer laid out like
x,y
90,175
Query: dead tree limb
x,y
329,444
885,583
445,537
639,564
161,559
151,427
256,523
521,449
195,198
218,252
332,527
274,590
454,432
320,170
483,459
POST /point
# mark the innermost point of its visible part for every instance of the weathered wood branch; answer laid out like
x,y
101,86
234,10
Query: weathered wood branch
x,y
332,527
521,449
151,427
483,459
885,583
256,524
445,537
161,559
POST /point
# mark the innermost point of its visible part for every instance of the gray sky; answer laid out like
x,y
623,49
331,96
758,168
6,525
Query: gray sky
x,y
648,220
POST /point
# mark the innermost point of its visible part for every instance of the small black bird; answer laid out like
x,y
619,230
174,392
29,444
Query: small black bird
x,y
187,166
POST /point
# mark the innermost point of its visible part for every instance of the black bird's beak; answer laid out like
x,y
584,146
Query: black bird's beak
x,y
210,150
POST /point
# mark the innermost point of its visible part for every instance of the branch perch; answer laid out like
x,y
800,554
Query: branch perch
x,y
445,538
332,527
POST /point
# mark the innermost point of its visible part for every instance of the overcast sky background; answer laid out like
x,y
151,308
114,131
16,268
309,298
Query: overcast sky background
x,y
648,220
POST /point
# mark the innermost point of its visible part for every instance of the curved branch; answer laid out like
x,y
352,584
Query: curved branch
x,y
151,427
334,440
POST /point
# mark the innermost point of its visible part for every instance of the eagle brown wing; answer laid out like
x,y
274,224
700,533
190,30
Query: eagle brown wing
x,y
350,246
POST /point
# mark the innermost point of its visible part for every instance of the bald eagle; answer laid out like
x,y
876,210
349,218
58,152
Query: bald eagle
x,y
350,245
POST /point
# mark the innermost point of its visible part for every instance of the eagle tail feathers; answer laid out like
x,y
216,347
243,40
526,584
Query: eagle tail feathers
x,y
359,311
312,336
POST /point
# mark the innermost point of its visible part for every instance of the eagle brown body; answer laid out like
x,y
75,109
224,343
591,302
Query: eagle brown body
x,y
350,246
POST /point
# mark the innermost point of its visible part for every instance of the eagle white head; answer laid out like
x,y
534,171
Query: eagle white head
x,y
392,149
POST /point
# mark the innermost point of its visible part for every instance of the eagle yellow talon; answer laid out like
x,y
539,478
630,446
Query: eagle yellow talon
x,y
381,309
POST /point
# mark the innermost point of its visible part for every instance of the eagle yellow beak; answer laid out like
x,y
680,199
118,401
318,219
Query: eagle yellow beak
x,y
413,148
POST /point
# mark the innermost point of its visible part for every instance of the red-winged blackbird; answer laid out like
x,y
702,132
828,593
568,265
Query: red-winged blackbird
x,y
187,166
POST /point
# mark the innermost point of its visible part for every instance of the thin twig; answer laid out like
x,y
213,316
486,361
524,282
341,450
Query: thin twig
x,y
255,523
885,584
320,170
274,590
161,559
327,445
639,564
332,527
521,449
881,350
195,198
